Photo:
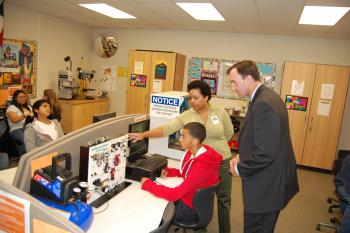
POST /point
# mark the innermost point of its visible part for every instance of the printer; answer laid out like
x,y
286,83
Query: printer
x,y
150,166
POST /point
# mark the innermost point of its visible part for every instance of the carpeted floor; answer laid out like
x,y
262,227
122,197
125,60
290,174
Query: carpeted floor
x,y
307,208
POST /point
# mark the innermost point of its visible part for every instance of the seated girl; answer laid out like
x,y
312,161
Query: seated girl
x,y
42,130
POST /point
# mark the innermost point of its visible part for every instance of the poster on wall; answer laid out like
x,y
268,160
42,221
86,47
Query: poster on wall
x,y
138,80
108,76
18,61
195,68
298,103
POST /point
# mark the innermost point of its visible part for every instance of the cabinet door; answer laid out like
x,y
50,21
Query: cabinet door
x,y
83,114
323,129
137,98
169,59
101,107
298,120
66,117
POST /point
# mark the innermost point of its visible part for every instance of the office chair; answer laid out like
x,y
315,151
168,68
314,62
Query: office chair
x,y
4,161
203,204
8,145
335,222
166,219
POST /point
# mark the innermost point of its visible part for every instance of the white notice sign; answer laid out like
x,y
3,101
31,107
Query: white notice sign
x,y
297,87
138,67
327,91
157,86
323,108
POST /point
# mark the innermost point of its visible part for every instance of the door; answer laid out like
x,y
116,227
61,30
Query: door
x,y
137,97
324,126
303,76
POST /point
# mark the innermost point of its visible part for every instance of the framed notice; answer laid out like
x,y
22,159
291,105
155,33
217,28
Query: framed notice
x,y
18,61
298,103
160,72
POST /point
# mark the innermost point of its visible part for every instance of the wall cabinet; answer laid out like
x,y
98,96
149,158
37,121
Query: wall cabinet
x,y
156,77
315,132
79,113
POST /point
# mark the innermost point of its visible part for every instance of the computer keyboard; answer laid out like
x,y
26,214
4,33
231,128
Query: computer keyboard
x,y
152,161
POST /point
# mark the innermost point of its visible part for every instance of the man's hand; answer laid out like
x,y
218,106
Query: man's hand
x,y
136,136
143,180
233,165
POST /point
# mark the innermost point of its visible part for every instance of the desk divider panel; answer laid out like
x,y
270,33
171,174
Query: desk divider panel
x,y
70,143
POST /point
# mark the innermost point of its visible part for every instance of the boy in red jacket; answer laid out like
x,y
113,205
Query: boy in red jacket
x,y
199,168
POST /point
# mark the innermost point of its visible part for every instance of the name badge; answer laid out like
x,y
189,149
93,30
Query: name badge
x,y
215,120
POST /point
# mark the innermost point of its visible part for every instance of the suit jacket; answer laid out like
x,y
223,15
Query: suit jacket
x,y
267,163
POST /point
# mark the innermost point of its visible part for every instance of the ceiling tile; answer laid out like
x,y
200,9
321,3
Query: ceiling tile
x,y
339,35
280,13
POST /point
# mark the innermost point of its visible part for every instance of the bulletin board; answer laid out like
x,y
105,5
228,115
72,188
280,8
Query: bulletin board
x,y
213,71
18,65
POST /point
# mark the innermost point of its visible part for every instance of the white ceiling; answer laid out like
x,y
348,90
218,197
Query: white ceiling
x,y
279,17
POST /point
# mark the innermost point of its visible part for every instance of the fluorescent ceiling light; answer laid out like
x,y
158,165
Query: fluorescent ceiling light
x,y
105,9
201,11
322,15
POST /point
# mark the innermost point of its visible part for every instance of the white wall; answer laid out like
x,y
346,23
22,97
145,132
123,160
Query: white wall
x,y
262,48
56,38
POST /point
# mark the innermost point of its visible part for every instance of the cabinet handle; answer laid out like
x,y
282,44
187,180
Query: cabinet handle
x,y
312,118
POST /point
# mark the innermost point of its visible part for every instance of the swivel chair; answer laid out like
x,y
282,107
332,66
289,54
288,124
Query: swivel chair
x,y
335,222
203,204
166,219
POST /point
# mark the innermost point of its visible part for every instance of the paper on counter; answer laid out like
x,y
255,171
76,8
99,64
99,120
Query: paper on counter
x,y
170,182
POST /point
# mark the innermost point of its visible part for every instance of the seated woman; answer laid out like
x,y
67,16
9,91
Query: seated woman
x,y
50,95
16,114
42,130
199,168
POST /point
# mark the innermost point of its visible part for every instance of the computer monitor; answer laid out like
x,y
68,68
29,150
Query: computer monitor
x,y
103,116
139,148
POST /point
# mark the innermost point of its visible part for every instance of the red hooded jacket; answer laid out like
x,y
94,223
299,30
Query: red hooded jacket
x,y
200,171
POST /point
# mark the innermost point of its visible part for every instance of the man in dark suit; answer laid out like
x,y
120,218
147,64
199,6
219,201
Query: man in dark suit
x,y
265,161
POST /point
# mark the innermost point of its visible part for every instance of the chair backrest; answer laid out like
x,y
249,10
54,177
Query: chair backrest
x,y
168,216
342,154
203,204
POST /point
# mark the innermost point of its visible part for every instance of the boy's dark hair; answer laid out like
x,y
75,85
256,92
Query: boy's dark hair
x,y
196,130
246,67
37,105
203,87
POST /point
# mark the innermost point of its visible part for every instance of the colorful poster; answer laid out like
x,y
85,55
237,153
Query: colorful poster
x,y
195,68
212,82
296,102
138,80
18,64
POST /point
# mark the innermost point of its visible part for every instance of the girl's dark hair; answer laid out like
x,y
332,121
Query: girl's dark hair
x,y
37,105
14,101
203,87
196,130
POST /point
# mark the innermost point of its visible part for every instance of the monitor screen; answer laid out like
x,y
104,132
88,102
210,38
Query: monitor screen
x,y
139,148
104,116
